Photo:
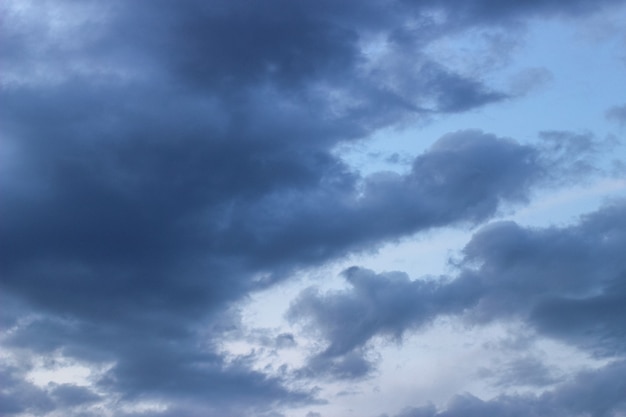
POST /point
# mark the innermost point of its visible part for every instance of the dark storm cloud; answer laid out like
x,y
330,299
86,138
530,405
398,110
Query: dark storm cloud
x,y
114,238
464,177
167,158
567,283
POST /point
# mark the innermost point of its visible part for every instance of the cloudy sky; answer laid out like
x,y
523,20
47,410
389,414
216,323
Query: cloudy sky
x,y
294,208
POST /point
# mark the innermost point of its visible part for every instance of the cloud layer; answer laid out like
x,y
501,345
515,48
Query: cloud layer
x,y
163,161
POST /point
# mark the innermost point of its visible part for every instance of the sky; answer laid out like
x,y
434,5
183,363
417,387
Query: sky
x,y
293,208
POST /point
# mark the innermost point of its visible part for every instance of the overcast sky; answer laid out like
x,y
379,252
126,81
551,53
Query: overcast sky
x,y
295,208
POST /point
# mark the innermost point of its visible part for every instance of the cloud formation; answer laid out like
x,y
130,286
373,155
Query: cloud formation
x,y
590,393
161,161
566,282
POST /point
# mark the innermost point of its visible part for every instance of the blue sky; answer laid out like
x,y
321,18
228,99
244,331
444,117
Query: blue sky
x,y
313,209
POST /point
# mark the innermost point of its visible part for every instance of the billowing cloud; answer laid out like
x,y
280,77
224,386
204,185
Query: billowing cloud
x,y
161,161
565,282
387,304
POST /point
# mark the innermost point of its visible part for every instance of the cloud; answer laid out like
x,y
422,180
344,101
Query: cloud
x,y
565,282
487,11
464,177
591,393
617,114
522,371
595,322
387,304
72,395
377,305
148,362
18,395
107,242
353,365
167,161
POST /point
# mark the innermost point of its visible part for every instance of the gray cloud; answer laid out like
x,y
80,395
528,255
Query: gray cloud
x,y
526,268
386,304
72,395
162,158
565,282
352,365
594,393
18,395
522,371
